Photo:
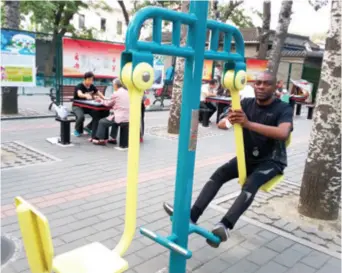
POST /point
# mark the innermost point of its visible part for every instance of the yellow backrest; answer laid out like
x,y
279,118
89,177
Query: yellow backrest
x,y
36,236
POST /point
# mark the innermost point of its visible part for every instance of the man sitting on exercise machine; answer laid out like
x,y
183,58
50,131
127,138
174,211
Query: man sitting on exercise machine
x,y
267,123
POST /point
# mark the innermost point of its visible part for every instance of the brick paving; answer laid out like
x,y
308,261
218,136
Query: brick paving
x,y
83,196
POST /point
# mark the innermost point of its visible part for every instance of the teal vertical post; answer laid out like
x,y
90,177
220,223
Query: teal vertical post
x,y
186,155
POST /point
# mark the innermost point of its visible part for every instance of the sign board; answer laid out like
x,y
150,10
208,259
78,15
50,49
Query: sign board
x,y
18,58
255,66
158,67
207,70
81,56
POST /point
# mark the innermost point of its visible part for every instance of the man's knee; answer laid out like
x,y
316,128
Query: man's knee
x,y
103,121
80,117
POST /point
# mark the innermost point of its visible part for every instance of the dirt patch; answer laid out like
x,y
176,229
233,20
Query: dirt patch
x,y
286,206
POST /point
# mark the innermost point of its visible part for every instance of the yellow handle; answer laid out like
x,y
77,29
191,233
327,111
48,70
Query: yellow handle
x,y
238,135
136,82
235,82
132,171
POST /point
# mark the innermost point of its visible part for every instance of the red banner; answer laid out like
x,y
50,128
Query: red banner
x,y
255,66
81,56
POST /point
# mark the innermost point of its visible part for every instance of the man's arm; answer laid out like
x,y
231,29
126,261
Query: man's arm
x,y
97,92
80,94
279,132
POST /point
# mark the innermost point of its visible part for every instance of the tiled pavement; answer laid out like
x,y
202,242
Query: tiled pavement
x,y
83,196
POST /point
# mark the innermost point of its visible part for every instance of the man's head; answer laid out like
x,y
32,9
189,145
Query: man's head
x,y
88,78
117,84
264,86
212,84
280,84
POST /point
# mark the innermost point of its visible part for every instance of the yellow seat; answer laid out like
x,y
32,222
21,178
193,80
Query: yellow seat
x,y
267,187
35,230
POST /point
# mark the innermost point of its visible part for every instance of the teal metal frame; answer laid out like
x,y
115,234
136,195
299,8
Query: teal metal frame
x,y
194,53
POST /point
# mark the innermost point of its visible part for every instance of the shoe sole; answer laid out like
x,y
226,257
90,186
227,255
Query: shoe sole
x,y
218,234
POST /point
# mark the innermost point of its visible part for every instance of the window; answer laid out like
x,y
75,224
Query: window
x,y
103,24
81,21
119,27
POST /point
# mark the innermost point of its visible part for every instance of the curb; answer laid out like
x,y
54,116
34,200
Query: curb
x,y
52,116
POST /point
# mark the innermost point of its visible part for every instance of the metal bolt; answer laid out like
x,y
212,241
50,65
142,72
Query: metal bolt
x,y
146,77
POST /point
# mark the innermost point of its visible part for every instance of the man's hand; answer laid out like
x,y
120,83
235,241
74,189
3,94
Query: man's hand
x,y
238,117
88,96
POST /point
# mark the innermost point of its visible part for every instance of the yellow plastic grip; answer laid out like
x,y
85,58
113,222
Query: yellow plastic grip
x,y
230,81
137,82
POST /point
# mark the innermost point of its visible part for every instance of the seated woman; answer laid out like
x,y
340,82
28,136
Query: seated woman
x,y
119,114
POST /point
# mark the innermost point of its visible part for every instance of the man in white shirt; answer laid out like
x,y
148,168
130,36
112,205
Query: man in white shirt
x,y
208,90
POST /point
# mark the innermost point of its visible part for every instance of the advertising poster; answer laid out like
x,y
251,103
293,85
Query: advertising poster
x,y
81,56
255,66
158,67
18,58
207,70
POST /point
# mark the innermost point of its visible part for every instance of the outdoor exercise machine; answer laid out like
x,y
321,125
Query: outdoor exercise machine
x,y
137,75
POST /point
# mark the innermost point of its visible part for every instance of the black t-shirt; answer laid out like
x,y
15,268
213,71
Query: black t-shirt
x,y
259,148
92,90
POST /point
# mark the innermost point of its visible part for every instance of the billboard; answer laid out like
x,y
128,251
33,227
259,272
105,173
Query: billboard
x,y
255,66
81,56
158,67
18,58
207,70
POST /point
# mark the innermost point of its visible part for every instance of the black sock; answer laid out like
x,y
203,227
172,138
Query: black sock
x,y
226,223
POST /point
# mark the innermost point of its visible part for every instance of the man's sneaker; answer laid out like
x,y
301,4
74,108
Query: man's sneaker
x,y
121,148
169,210
88,130
220,231
77,134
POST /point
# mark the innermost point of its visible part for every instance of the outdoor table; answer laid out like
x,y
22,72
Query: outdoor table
x,y
297,99
98,111
221,102
91,104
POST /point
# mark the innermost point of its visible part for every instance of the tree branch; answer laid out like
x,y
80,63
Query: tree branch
x,y
124,11
232,6
59,12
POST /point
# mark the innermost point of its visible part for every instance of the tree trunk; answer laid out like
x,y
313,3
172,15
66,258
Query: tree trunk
x,y
48,69
176,100
9,100
265,31
280,36
320,193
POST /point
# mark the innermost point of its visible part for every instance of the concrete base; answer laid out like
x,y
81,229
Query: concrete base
x,y
55,140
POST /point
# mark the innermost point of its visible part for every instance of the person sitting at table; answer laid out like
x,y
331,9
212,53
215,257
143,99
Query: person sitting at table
x,y
219,89
119,113
208,90
85,90
142,126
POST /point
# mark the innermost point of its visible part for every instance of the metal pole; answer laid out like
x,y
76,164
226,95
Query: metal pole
x,y
187,140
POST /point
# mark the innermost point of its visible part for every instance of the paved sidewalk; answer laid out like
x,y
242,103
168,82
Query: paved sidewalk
x,y
81,190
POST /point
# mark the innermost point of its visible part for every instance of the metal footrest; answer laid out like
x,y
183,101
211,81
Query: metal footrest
x,y
166,242
204,233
